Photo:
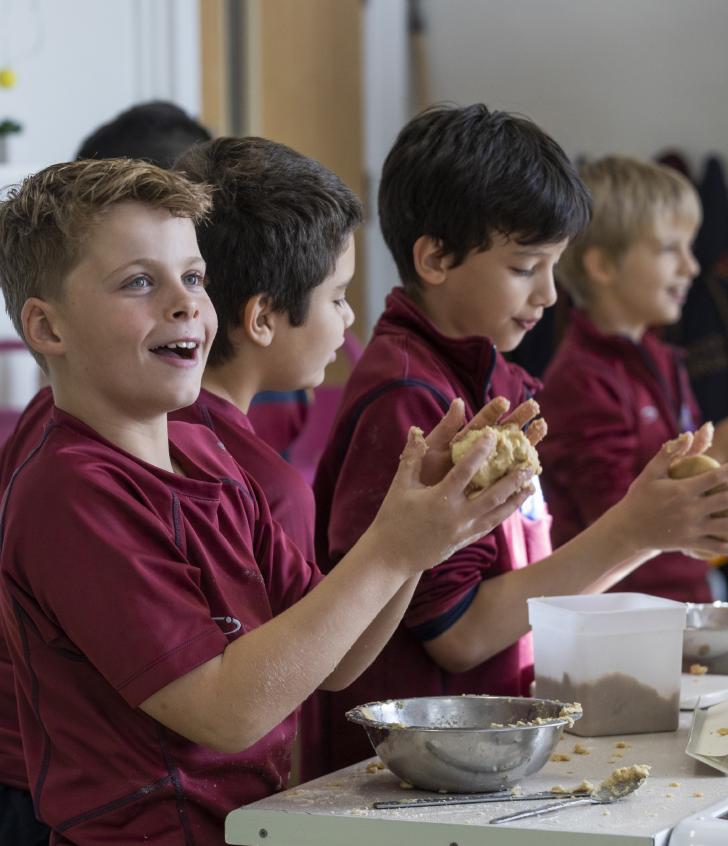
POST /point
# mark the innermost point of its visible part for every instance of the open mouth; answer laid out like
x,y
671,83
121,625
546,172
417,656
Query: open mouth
x,y
178,349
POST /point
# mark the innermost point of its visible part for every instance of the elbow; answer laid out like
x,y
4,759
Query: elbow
x,y
454,654
228,739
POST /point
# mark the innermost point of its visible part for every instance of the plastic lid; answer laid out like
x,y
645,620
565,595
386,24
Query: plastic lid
x,y
607,613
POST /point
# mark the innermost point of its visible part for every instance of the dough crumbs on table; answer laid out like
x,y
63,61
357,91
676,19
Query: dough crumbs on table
x,y
605,813
584,787
698,794
722,732
698,669
674,784
516,790
581,750
405,785
374,767
622,744
559,756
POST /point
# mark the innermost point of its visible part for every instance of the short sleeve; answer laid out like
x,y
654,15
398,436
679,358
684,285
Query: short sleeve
x,y
106,580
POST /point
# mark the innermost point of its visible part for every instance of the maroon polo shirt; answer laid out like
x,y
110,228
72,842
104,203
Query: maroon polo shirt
x,y
289,498
25,437
408,375
610,404
291,503
137,577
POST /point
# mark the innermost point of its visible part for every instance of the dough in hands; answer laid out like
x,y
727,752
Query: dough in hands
x,y
694,465
512,450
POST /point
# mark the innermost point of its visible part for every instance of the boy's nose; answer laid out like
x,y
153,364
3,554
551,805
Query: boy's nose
x,y
690,263
546,294
183,304
349,316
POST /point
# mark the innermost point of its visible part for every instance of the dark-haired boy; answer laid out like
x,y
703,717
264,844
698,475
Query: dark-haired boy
x,y
279,249
476,208
162,627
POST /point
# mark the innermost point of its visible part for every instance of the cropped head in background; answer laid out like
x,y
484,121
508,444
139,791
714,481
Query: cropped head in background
x,y
157,132
632,267
476,207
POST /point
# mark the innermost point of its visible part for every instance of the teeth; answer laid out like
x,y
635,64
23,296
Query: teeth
x,y
182,345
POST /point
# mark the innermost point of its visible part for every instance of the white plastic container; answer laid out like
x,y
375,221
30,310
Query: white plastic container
x,y
618,654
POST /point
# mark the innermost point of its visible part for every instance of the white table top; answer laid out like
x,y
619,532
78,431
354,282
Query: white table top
x,y
336,810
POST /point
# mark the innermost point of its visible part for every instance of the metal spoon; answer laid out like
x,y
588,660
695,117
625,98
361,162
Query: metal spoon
x,y
606,793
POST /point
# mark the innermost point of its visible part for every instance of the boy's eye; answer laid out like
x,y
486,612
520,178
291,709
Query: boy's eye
x,y
195,280
340,303
523,271
139,283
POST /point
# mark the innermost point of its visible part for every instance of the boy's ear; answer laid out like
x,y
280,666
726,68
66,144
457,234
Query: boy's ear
x,y
258,320
600,267
430,262
38,320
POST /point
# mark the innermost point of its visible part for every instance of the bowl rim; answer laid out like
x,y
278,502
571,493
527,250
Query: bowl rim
x,y
354,715
717,604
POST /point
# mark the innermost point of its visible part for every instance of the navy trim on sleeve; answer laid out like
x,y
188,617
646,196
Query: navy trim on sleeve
x,y
432,628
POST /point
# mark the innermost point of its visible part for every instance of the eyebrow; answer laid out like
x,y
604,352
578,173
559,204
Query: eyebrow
x,y
526,252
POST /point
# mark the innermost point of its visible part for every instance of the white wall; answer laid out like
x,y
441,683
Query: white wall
x,y
78,64
628,76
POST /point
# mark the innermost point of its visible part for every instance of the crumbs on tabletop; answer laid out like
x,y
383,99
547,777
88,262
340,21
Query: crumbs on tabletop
x,y
375,766
698,669
581,750
622,744
721,732
405,785
559,756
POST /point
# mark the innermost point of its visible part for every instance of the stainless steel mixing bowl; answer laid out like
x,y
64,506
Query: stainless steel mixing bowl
x,y
705,640
463,744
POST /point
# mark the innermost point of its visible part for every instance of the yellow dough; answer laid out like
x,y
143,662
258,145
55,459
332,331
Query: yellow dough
x,y
694,465
512,450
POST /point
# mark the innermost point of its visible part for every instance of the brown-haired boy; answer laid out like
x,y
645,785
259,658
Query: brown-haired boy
x,y
629,271
476,207
162,628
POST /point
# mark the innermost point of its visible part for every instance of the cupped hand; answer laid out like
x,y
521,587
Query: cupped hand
x,y
424,524
679,514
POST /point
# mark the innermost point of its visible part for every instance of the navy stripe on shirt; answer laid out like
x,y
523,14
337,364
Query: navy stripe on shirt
x,y
432,628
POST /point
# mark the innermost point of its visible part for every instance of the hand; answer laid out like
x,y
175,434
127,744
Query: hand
x,y
677,514
419,525
437,461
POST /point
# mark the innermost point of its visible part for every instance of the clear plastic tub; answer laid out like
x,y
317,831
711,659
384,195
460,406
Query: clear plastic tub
x,y
618,654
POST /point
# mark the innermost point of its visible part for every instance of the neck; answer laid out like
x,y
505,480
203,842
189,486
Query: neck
x,y
611,319
232,382
147,440
435,309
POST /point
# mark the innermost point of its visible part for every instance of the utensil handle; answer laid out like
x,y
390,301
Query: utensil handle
x,y
480,798
542,809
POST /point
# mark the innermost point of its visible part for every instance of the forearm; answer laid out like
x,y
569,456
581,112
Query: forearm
x,y
592,562
372,641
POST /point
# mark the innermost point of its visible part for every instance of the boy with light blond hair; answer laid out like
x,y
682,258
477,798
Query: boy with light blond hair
x,y
628,272
162,628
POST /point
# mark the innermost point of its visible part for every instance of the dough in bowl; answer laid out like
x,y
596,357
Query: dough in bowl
x,y
512,450
694,465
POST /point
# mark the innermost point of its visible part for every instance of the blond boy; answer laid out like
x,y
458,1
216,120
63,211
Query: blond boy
x,y
162,628
614,391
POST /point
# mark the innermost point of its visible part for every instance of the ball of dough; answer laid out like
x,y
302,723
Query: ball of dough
x,y
694,465
512,450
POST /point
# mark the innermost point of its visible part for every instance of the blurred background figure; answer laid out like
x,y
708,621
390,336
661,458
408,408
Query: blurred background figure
x,y
157,132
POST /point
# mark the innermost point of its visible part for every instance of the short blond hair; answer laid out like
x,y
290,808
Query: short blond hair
x,y
46,220
629,197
